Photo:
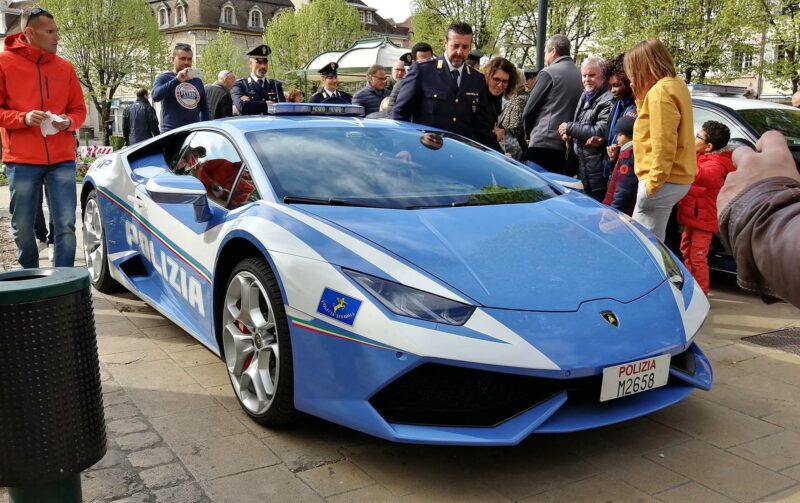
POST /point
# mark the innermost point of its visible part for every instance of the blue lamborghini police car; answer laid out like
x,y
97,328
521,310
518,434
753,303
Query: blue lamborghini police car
x,y
395,279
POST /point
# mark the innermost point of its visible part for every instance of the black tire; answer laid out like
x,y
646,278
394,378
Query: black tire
x,y
99,271
256,274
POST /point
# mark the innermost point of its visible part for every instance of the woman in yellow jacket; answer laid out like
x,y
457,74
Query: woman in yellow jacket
x,y
663,135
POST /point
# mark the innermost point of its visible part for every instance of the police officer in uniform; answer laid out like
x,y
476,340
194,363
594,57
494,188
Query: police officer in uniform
x,y
447,94
328,92
251,95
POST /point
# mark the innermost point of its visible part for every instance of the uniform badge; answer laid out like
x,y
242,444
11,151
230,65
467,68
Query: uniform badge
x,y
439,64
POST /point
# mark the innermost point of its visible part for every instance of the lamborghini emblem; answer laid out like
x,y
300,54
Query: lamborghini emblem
x,y
610,317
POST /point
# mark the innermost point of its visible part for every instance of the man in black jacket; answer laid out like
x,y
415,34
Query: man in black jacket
x,y
252,95
139,121
447,94
218,95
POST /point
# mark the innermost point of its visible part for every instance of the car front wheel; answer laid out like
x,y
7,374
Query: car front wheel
x,y
94,247
256,344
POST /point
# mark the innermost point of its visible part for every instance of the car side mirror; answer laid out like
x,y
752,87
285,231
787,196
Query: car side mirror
x,y
176,189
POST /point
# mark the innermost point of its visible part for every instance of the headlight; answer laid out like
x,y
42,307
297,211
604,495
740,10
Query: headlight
x,y
674,273
413,303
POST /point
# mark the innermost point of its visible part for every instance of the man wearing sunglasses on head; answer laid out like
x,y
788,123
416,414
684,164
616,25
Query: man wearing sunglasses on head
x,y
41,105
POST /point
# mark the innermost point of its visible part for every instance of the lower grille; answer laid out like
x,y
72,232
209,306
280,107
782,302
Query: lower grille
x,y
441,395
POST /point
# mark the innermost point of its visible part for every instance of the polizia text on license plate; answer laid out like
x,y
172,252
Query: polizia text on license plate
x,y
634,377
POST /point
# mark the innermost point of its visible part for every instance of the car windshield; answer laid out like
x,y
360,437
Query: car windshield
x,y
787,121
390,168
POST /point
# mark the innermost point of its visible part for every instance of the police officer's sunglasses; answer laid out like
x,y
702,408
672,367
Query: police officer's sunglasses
x,y
36,12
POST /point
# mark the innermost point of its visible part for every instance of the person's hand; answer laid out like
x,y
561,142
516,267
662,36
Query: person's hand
x,y
613,151
245,98
562,129
594,141
61,126
500,133
770,159
35,117
183,75
565,138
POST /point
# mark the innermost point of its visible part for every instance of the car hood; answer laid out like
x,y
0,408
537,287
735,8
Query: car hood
x,y
546,256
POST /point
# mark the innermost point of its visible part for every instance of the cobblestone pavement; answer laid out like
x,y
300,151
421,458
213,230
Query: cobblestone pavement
x,y
177,434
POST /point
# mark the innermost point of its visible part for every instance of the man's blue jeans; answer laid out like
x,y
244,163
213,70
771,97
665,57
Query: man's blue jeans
x,y
25,183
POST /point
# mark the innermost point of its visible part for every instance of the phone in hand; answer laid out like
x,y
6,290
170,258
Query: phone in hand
x,y
194,73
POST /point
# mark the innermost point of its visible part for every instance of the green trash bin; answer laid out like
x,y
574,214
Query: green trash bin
x,y
52,425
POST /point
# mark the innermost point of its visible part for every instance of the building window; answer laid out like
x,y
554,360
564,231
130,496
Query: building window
x,y
743,61
255,19
180,14
368,17
163,17
228,15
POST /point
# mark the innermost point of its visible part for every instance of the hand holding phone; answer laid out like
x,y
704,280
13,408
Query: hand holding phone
x,y
193,73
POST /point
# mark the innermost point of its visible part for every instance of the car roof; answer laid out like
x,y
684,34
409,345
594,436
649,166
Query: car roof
x,y
741,103
246,124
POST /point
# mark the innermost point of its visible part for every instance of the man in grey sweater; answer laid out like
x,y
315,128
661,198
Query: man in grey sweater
x,y
552,101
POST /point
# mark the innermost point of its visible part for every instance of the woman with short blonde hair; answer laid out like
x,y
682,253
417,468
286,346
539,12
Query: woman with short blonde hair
x,y
663,135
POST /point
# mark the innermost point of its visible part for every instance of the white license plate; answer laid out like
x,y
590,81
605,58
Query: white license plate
x,y
634,377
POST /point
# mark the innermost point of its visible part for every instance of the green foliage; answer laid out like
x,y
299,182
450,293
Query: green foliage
x,y
110,43
297,37
784,35
222,54
117,142
702,35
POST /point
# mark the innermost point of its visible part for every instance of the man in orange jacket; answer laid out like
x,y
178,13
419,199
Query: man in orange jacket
x,y
41,104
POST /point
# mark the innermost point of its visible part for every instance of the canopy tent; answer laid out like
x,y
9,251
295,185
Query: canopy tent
x,y
355,61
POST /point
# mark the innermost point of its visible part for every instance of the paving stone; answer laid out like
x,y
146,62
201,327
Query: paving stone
x,y
115,399
457,493
791,495
737,353
637,471
197,426
751,403
194,357
713,423
217,457
136,441
147,319
369,494
787,418
164,475
128,357
120,411
168,331
178,344
119,328
123,344
113,457
151,457
184,493
150,375
111,388
302,450
109,315
598,488
225,395
775,452
273,484
109,483
721,471
637,436
127,425
136,498
169,399
210,375
336,478
793,472
692,493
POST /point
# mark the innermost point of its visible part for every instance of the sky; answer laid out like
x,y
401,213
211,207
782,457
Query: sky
x,y
399,10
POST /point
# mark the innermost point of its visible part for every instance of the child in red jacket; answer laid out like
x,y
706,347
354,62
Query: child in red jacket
x,y
697,212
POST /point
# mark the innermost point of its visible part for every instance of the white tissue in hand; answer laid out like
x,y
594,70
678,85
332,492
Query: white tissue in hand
x,y
47,125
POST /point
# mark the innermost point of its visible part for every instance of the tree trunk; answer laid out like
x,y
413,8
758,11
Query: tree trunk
x,y
104,111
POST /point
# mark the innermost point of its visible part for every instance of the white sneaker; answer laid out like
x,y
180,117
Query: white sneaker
x,y
41,245
50,252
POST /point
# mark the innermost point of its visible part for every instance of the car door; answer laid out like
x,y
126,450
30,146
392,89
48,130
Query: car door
x,y
183,256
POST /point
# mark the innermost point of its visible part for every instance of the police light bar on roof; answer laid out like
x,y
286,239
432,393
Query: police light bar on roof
x,y
314,109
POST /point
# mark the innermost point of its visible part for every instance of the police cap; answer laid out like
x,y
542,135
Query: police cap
x,y
406,59
260,52
475,55
329,70
530,73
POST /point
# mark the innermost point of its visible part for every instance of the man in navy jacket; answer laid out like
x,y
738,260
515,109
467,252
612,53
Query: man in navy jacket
x,y
182,96
447,94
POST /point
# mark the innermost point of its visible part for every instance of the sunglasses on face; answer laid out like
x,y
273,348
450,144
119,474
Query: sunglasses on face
x,y
500,82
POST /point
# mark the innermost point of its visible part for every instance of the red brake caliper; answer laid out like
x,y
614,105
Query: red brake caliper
x,y
249,358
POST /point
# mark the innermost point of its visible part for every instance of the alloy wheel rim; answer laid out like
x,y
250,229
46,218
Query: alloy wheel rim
x,y
250,341
93,240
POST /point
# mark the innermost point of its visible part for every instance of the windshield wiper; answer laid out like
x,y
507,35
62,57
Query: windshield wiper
x,y
326,202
